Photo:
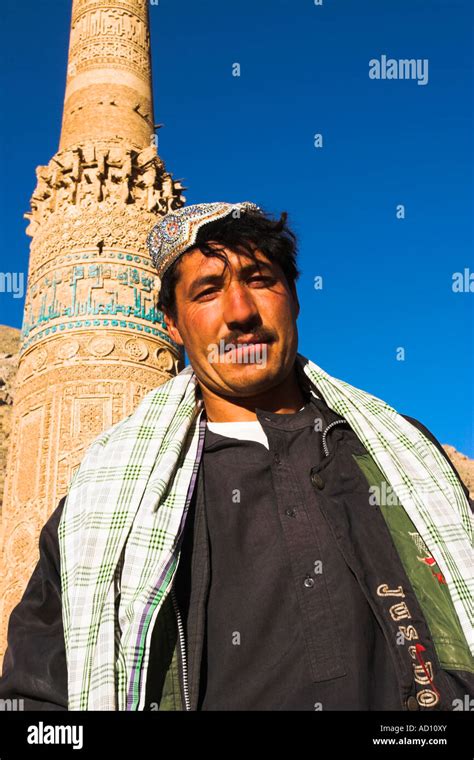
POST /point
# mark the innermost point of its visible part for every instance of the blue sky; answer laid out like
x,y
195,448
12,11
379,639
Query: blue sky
x,y
387,282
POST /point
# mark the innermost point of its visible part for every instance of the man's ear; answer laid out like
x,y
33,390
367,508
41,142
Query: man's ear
x,y
173,329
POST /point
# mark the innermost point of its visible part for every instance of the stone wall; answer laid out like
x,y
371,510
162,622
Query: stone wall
x,y
9,347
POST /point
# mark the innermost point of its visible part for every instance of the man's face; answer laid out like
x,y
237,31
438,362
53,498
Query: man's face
x,y
219,306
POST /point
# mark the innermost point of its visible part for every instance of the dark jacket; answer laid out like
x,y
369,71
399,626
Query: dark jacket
x,y
35,669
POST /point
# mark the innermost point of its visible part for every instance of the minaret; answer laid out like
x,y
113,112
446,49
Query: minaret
x,y
93,341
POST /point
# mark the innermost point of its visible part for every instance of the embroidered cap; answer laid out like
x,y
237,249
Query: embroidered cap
x,y
177,231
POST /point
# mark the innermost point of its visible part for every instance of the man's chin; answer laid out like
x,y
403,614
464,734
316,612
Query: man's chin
x,y
247,379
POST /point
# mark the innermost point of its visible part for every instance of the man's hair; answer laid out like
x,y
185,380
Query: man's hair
x,y
250,231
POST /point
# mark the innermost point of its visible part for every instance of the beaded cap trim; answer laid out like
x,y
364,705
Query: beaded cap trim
x,y
177,231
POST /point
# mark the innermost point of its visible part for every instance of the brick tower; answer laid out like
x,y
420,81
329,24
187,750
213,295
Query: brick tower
x,y
93,341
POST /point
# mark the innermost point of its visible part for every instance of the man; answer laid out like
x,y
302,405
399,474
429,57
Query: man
x,y
257,535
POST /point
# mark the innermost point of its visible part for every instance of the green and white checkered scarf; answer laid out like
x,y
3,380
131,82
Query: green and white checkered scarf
x,y
126,506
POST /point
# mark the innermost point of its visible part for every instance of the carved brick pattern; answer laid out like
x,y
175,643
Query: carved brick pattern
x,y
99,23
112,368
92,175
136,7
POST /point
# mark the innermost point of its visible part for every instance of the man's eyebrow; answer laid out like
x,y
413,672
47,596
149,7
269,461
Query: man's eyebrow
x,y
254,266
216,279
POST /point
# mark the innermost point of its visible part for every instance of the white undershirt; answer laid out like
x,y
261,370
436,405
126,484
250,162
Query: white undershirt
x,y
244,431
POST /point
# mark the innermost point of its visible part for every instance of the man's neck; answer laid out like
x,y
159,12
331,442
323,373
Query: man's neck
x,y
286,398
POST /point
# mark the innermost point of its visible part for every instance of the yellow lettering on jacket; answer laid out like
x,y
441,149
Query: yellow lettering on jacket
x,y
424,674
384,590
409,632
399,611
427,698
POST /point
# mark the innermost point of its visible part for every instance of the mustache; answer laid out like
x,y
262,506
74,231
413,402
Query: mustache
x,y
262,335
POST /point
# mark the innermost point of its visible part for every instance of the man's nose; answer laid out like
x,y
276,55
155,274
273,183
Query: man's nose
x,y
239,304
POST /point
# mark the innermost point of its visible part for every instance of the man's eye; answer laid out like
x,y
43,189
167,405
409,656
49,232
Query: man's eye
x,y
262,278
265,279
206,292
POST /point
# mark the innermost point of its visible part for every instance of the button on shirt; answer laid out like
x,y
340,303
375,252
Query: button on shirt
x,y
288,626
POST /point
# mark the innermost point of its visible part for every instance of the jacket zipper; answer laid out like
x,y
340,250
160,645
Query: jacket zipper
x,y
326,431
182,648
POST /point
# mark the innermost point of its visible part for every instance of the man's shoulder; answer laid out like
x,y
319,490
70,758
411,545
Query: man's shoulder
x,y
158,395
49,531
416,423
425,431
